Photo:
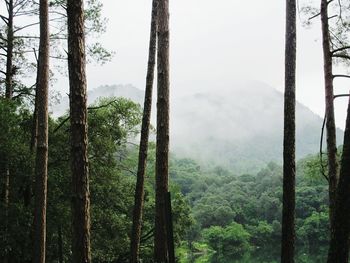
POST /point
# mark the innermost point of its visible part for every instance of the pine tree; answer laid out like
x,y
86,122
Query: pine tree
x,y
162,148
42,136
142,161
329,100
288,213
78,132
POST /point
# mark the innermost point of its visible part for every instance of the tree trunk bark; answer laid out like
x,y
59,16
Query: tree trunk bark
x,y
79,139
9,52
339,244
142,162
162,150
288,214
42,145
8,95
330,122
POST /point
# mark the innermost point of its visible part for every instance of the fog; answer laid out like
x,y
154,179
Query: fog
x,y
239,127
214,43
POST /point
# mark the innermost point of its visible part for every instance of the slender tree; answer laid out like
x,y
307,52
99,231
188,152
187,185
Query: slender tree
x,y
9,50
142,161
42,145
288,214
162,148
12,44
8,95
339,244
78,132
330,122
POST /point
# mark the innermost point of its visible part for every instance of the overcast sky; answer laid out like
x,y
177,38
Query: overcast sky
x,y
214,42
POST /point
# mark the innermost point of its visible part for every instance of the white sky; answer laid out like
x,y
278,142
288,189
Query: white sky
x,y
214,43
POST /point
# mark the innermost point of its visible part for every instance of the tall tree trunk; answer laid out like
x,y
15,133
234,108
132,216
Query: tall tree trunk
x,y
139,191
8,95
79,127
9,52
162,150
330,122
339,244
42,145
288,214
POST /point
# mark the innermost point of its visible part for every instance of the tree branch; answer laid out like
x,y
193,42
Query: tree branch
x,y
5,19
341,56
20,5
341,76
36,56
89,108
58,13
340,49
332,17
37,37
25,13
341,95
147,236
26,26
61,124
314,16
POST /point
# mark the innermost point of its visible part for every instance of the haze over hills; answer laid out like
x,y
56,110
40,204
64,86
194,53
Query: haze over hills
x,y
240,128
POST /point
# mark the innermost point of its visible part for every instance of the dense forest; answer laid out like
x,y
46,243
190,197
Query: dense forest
x,y
100,182
206,201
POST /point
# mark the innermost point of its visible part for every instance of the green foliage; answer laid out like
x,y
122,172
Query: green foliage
x,y
17,159
315,229
214,237
232,240
219,199
235,240
213,207
261,233
112,164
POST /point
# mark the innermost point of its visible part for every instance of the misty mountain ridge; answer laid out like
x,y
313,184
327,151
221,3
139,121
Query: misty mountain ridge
x,y
239,128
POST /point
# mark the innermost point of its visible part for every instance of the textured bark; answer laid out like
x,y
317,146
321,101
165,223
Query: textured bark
x,y
42,144
78,131
139,190
9,52
288,213
330,122
162,150
339,244
8,95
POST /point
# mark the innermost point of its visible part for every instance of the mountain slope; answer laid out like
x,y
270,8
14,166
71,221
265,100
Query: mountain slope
x,y
240,128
